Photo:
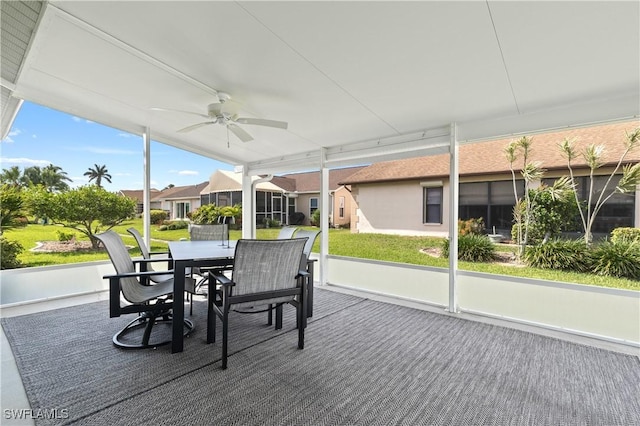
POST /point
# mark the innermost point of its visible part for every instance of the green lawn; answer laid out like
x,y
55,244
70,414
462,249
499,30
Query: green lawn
x,y
391,248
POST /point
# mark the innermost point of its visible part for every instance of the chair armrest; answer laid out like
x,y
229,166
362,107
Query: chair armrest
x,y
139,274
146,261
222,279
302,273
158,252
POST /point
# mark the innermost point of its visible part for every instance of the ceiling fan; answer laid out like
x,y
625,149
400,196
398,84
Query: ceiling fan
x,y
215,115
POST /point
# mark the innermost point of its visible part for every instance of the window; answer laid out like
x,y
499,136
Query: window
x,y
492,201
182,209
313,205
432,205
341,207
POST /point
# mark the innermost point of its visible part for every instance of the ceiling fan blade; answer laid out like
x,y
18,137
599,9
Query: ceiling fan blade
x,y
180,110
195,126
262,122
239,132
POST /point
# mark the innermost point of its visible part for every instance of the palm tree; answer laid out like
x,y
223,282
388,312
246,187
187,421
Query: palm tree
x,y
53,178
11,176
98,173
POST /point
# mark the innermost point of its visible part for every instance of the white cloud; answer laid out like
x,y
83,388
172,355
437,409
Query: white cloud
x,y
188,173
78,120
9,138
103,150
126,135
26,162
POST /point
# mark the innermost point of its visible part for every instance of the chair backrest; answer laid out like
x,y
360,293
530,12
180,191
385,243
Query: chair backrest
x,y
286,232
311,238
141,244
208,232
265,265
123,264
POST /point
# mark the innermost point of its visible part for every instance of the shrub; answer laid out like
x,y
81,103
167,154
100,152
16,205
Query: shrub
x,y
472,248
471,226
65,236
178,224
315,217
157,216
271,223
559,254
206,215
620,259
9,251
628,235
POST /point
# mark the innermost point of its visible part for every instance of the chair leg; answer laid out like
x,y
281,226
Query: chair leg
x,y
211,319
270,315
225,333
279,316
302,314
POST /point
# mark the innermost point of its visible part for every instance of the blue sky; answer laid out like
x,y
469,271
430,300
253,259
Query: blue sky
x,y
42,136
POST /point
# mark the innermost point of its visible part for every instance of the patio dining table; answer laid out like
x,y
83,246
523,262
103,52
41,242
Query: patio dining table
x,y
187,254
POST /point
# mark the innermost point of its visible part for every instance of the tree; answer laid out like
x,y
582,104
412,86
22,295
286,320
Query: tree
x,y
53,178
11,206
98,173
88,209
530,171
524,210
11,176
593,154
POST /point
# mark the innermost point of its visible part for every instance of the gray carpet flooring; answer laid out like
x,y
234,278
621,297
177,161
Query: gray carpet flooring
x,y
364,363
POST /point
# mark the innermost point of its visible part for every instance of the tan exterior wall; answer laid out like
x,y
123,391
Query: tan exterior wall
x,y
342,198
302,205
396,208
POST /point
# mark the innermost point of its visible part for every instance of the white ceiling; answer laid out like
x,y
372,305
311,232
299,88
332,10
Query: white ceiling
x,y
362,79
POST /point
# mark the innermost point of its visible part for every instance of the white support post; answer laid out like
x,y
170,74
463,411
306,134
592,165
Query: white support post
x,y
453,219
146,193
248,206
324,218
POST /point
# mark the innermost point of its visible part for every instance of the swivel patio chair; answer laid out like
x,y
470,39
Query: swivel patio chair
x,y
146,254
153,302
265,273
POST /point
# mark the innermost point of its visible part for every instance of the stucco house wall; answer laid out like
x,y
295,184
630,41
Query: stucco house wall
x,y
395,208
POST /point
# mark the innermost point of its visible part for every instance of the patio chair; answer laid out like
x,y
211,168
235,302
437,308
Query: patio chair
x,y
207,232
286,232
306,264
265,273
152,302
146,254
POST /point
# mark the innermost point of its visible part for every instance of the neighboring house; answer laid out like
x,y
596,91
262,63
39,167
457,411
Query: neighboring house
x,y
138,194
411,196
284,195
178,201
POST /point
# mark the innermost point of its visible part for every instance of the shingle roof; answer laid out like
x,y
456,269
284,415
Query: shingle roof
x,y
310,181
488,157
180,192
138,194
